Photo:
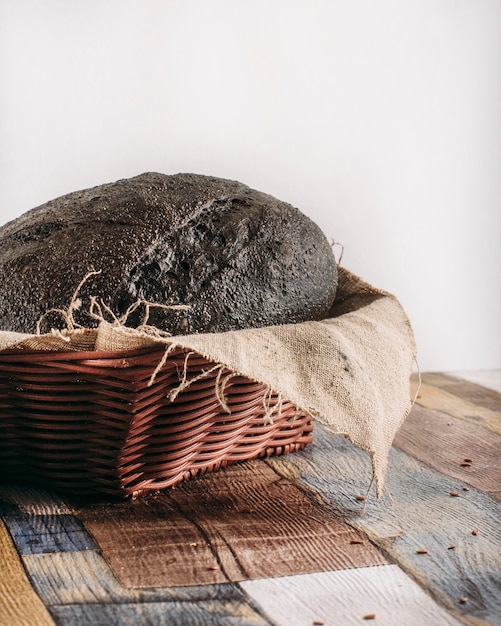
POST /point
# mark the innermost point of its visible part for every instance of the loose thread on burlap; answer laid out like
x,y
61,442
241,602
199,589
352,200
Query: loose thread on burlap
x,y
185,382
388,493
122,320
340,245
185,366
220,387
170,348
219,384
267,396
419,383
99,306
97,310
367,493
271,407
184,385
147,310
279,405
297,414
74,305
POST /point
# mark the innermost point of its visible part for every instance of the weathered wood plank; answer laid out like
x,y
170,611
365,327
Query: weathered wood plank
x,y
273,527
454,447
422,515
243,522
32,500
443,400
19,603
466,390
346,597
159,614
148,545
37,534
40,522
79,588
68,578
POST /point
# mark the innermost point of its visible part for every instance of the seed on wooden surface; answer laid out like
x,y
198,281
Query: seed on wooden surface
x,y
421,551
454,494
463,600
451,547
360,498
466,489
356,542
468,460
318,622
465,465
370,616
475,531
213,567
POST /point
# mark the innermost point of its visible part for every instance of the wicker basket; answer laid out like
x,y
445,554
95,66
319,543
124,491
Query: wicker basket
x,y
86,423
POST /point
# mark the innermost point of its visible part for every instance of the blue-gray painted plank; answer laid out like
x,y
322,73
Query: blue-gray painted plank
x,y
38,534
85,578
159,614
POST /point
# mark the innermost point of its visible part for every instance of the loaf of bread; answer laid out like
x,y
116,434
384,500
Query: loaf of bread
x,y
237,257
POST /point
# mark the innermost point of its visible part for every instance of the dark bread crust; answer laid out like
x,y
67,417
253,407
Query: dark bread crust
x,y
238,257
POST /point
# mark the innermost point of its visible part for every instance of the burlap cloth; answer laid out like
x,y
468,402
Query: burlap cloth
x,y
350,371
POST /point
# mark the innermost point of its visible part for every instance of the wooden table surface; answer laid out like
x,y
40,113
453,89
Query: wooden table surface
x,y
286,541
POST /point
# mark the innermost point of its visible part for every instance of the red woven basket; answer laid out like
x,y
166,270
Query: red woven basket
x,y
89,422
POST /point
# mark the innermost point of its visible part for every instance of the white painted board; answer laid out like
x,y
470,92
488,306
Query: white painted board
x,y
346,597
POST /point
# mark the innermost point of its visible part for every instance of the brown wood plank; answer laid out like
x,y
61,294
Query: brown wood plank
x,y
439,399
421,515
467,390
19,603
152,544
242,523
454,447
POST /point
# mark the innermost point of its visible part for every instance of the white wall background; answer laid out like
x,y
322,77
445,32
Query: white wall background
x,y
381,120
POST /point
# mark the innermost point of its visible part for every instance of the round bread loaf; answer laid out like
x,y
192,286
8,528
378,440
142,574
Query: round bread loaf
x,y
237,257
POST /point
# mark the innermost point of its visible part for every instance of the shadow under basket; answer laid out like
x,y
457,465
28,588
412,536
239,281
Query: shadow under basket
x,y
87,423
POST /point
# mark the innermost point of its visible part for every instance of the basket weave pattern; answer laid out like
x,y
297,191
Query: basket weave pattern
x,y
91,422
